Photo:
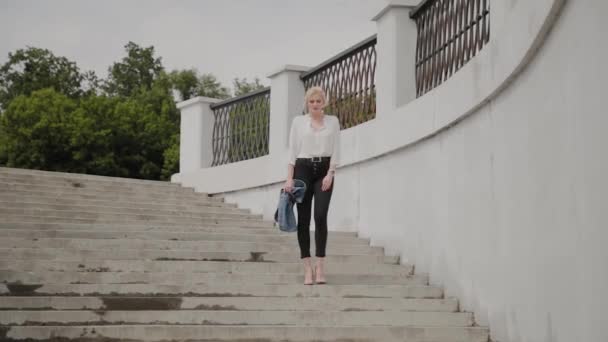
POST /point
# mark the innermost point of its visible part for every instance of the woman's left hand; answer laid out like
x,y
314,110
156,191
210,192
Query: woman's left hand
x,y
327,180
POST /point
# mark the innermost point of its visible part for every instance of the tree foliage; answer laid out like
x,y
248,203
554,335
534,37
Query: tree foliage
x,y
188,84
55,117
31,69
136,71
242,86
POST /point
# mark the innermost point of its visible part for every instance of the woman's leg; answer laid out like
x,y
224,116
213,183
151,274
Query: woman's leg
x,y
322,199
307,271
303,172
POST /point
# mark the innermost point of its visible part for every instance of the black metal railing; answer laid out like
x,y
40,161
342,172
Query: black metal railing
x,y
349,81
450,33
241,127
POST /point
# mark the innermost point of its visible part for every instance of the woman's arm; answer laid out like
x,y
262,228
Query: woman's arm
x,y
291,156
334,161
335,158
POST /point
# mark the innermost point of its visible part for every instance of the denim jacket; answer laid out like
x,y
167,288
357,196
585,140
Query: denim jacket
x,y
284,215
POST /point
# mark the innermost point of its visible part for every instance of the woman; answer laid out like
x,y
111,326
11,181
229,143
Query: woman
x,y
313,157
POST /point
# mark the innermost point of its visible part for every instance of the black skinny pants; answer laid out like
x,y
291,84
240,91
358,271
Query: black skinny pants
x,y
312,173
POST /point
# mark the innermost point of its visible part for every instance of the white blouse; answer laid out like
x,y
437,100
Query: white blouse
x,y
307,142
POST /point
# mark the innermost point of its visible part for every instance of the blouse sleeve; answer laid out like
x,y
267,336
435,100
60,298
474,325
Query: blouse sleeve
x,y
335,156
293,145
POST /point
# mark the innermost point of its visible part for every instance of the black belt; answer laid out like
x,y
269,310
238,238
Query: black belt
x,y
316,159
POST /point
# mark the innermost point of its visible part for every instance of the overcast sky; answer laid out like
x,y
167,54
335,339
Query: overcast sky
x,y
229,38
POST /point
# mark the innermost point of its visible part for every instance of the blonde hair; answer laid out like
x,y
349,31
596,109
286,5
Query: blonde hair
x,y
312,91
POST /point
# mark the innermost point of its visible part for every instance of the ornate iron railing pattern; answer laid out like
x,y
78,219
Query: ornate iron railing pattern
x,y
349,81
450,33
241,127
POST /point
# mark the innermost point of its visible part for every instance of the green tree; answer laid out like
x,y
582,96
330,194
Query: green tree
x,y
96,141
31,69
185,83
149,108
152,122
242,86
36,131
171,159
159,99
209,86
56,119
136,71
124,137
188,84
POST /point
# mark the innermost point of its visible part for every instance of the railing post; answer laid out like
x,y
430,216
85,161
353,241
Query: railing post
x,y
286,102
396,56
196,131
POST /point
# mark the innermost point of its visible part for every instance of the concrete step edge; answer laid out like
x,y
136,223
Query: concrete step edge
x,y
202,201
164,333
53,174
175,254
203,213
341,242
121,210
94,227
235,267
103,193
235,317
93,184
224,290
178,237
109,219
113,203
227,303
241,247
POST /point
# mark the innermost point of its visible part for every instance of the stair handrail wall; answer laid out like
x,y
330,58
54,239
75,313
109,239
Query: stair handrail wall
x,y
450,33
518,296
240,127
402,121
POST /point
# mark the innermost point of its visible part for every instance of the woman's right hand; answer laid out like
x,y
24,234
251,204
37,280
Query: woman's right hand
x,y
288,185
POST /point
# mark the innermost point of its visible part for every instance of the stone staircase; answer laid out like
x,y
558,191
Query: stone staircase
x,y
89,258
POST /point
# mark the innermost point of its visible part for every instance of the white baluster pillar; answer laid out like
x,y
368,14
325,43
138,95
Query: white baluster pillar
x,y
396,56
286,102
196,131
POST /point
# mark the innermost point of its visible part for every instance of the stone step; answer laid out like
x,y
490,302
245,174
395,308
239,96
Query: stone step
x,y
35,215
116,190
95,185
176,255
223,290
12,210
233,317
202,333
209,223
96,227
200,201
228,303
70,180
108,194
196,278
52,175
216,235
37,266
207,246
32,200
86,211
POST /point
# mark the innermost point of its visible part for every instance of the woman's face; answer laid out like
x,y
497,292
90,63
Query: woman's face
x,y
315,103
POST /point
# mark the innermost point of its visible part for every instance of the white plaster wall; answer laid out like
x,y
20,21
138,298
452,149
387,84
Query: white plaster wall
x,y
506,209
